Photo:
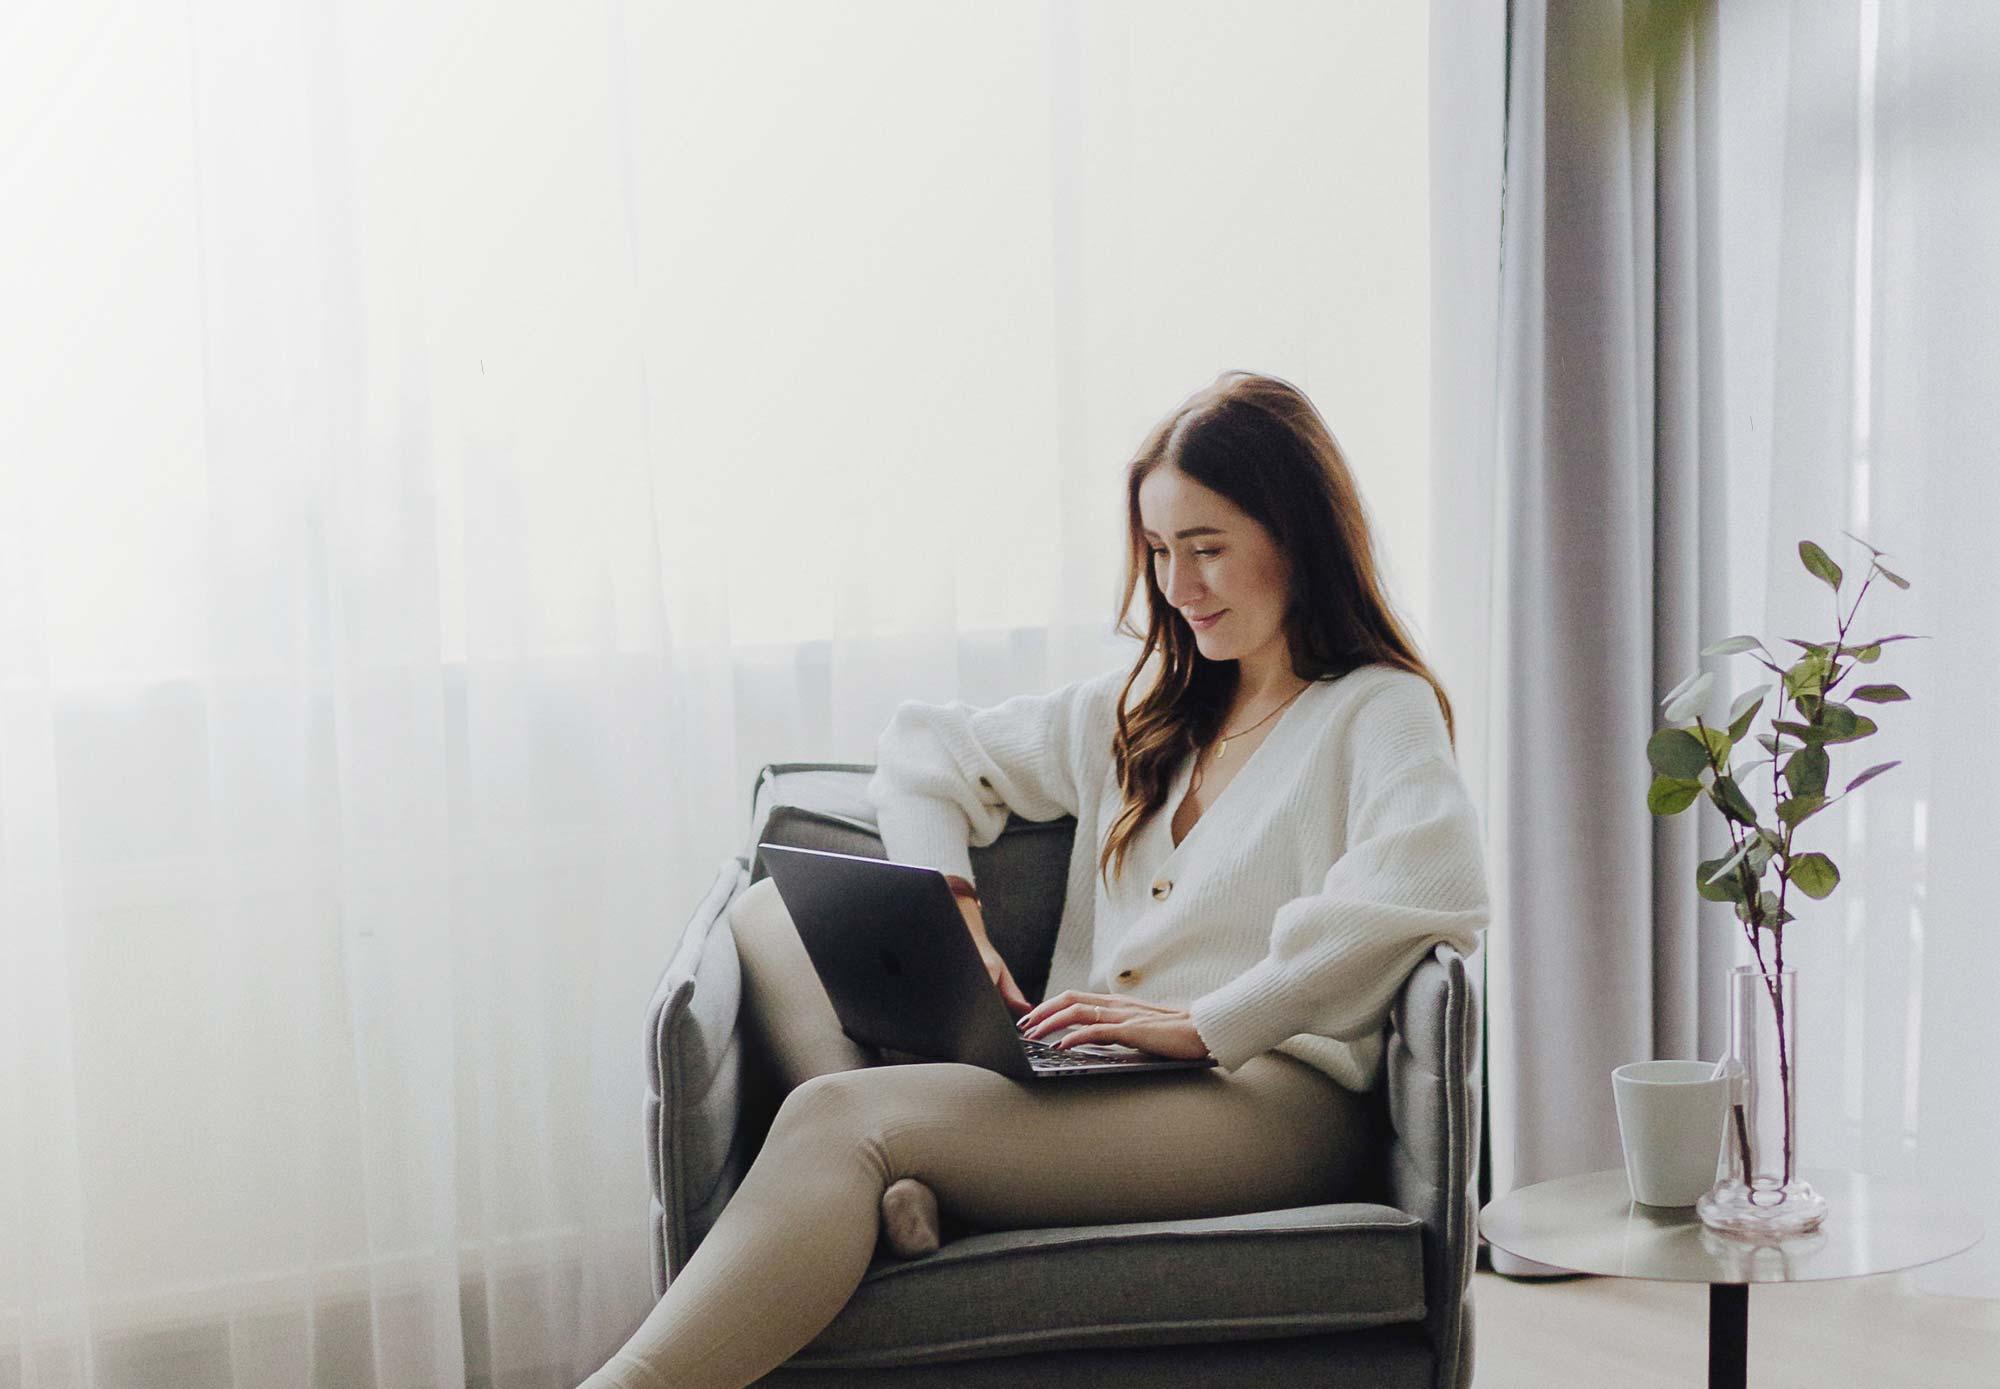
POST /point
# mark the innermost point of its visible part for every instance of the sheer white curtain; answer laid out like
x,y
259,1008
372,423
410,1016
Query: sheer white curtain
x,y
1861,212
444,450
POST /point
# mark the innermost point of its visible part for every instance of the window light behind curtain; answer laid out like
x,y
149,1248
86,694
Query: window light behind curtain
x,y
444,450
1860,210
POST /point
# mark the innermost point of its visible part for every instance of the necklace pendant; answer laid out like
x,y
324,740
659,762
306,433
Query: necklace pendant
x,y
1221,748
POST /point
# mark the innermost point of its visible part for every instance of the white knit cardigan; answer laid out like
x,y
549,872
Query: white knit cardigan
x,y
1339,855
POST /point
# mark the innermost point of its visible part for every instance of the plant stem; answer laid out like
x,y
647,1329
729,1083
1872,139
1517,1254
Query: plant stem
x,y
1785,1068
1774,973
1857,602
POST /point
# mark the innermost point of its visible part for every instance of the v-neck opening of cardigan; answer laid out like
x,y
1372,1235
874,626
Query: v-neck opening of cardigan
x,y
1184,780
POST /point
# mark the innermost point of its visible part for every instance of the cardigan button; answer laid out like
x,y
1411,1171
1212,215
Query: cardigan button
x,y
1161,889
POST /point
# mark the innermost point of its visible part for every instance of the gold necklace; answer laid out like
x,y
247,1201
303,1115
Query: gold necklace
x,y
1222,743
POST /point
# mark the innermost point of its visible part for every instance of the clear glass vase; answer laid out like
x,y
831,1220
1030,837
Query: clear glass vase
x,y
1759,1192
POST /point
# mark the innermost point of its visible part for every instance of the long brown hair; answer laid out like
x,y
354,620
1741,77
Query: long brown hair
x,y
1259,442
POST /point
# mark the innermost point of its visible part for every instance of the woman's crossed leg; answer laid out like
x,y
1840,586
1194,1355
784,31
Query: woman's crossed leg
x,y
796,1238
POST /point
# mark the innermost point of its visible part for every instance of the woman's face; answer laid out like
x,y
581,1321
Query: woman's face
x,y
1217,566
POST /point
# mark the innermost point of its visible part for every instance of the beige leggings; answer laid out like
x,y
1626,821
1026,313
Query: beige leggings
x,y
796,1238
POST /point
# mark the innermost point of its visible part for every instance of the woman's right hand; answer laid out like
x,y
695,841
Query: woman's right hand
x,y
996,967
1003,980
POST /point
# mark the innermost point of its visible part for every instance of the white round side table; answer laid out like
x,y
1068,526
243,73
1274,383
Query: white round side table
x,y
1591,1224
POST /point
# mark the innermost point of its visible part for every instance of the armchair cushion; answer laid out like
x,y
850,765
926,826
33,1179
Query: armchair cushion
x,y
1273,1274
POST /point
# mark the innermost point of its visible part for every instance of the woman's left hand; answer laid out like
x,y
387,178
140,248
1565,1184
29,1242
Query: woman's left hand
x,y
1115,1018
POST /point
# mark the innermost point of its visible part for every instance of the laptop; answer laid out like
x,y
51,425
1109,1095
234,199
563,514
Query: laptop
x,y
890,945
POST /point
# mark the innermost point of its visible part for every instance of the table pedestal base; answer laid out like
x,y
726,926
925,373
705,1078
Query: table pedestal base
x,y
1728,1335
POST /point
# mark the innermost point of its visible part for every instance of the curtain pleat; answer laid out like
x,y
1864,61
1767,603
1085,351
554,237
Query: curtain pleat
x,y
1613,535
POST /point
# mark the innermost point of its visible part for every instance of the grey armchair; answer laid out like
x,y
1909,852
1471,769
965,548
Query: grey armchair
x,y
1371,1292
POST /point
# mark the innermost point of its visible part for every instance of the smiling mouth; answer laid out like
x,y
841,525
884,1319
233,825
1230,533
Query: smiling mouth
x,y
1210,617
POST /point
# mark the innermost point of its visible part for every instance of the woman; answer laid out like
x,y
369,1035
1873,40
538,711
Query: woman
x,y
1272,833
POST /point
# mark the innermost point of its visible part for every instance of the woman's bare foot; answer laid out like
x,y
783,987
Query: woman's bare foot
x,y
910,1219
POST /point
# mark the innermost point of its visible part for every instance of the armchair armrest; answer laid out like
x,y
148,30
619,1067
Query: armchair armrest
x,y
696,1147
1433,1161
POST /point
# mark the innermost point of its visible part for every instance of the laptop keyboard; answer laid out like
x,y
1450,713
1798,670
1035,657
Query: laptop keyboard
x,y
1045,1056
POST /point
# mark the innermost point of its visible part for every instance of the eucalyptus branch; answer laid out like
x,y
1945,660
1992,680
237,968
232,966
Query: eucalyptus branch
x,y
1681,755
1857,603
1693,759
1834,674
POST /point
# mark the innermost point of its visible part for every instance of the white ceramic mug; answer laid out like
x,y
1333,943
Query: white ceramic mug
x,y
1670,1120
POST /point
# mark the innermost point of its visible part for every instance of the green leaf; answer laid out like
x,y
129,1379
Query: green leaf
x,y
1690,699
1814,875
1864,544
1728,889
1774,915
1836,722
1804,732
1796,810
1740,720
1678,753
1671,795
1719,742
1872,773
1897,579
1729,864
1879,694
1884,641
1732,646
1812,648
1769,744
1677,691
1754,695
1807,770
1819,565
1807,677
1731,801
1867,655
1760,853
1850,732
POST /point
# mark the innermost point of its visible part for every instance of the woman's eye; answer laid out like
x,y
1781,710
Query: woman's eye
x,y
1206,553
1157,553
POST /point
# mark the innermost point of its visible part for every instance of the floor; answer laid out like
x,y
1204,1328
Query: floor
x,y
1864,1333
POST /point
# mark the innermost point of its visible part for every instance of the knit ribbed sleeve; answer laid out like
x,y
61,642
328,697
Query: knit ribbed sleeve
x,y
948,774
1412,876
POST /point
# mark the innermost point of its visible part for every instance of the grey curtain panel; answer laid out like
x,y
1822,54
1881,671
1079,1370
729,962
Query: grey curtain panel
x,y
1612,525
